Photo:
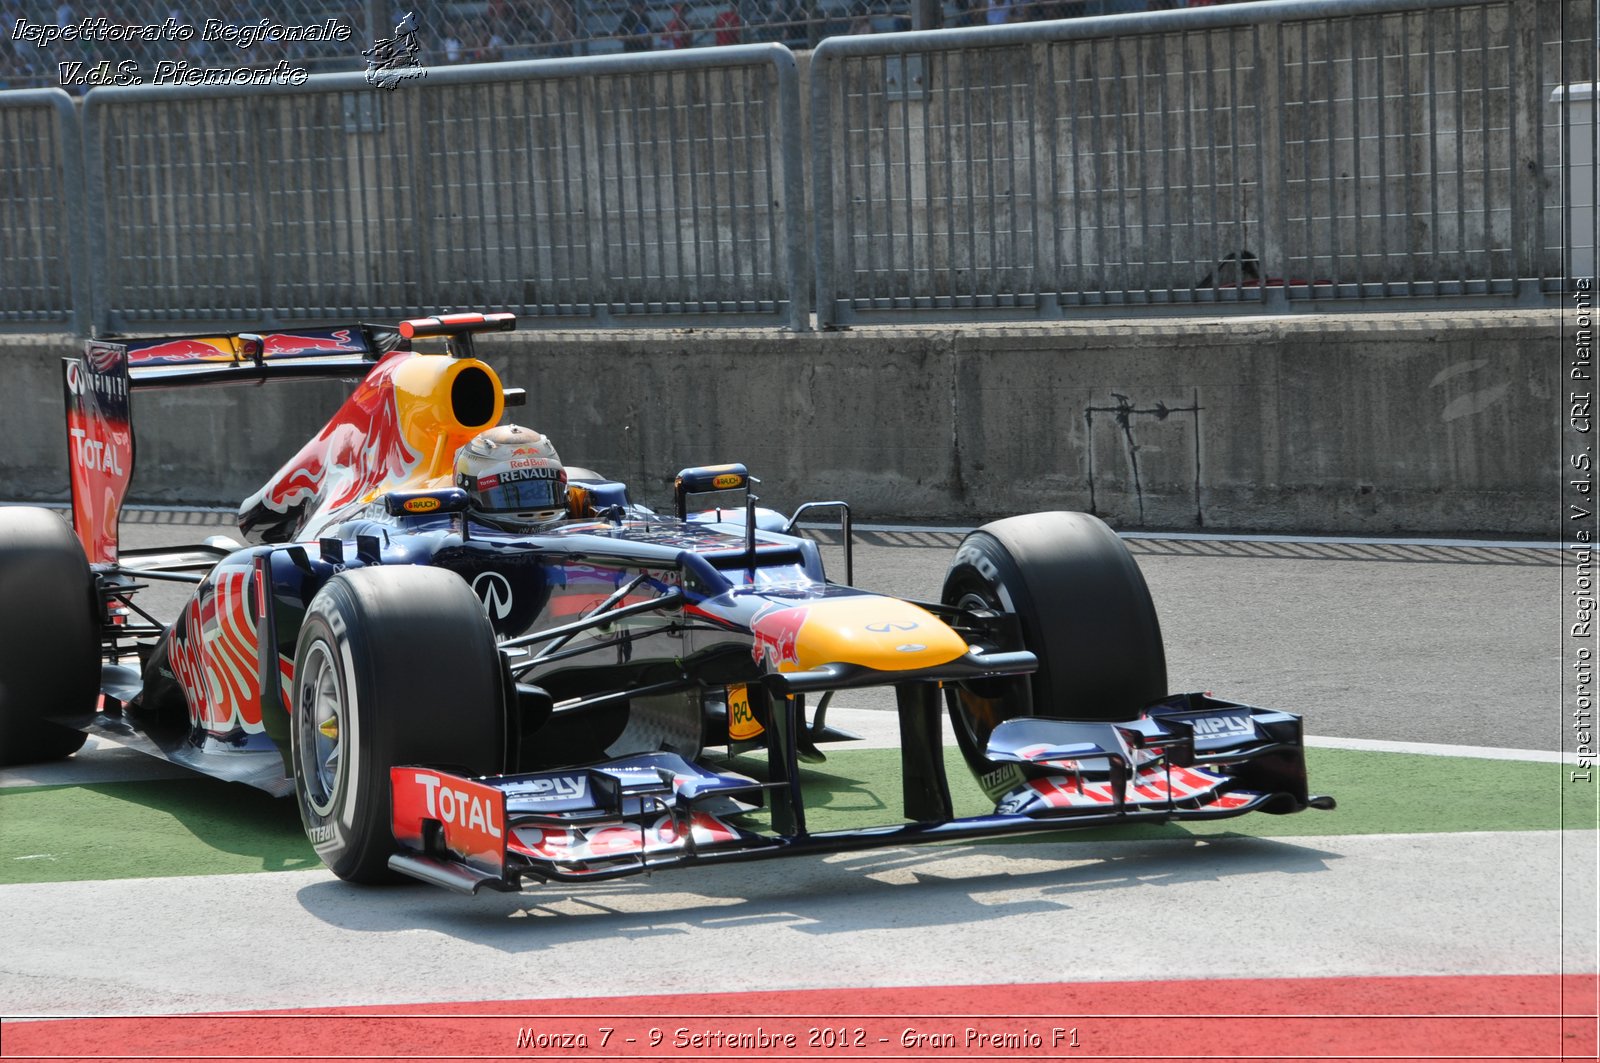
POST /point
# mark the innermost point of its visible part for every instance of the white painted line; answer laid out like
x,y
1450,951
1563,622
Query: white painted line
x,y
1430,749
1238,537
1199,537
102,761
880,729
1343,540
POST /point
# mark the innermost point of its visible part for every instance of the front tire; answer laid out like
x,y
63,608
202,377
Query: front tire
x,y
1080,605
49,638
394,665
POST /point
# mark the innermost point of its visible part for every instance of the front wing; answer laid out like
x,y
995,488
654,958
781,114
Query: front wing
x,y
1191,757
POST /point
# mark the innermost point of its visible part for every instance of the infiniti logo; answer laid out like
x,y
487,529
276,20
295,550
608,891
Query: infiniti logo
x,y
494,591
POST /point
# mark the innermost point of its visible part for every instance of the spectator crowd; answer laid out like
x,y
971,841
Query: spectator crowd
x,y
471,31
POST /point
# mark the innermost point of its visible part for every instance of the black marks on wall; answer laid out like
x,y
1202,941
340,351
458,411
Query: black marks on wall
x,y
1128,418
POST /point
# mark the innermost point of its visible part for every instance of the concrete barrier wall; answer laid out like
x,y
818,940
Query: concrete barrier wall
x,y
1377,424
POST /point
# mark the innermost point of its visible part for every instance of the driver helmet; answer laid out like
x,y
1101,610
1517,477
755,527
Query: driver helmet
x,y
513,478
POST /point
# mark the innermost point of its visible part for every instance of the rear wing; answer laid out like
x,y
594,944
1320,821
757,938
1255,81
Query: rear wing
x,y
172,361
100,445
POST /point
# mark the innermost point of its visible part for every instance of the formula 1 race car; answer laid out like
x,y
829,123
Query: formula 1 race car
x,y
475,706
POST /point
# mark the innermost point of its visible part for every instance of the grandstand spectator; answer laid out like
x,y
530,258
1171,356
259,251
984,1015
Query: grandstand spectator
x,y
678,34
726,25
558,25
634,29
487,45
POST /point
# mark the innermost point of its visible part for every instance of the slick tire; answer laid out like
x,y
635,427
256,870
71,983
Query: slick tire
x,y
49,638
1081,606
394,665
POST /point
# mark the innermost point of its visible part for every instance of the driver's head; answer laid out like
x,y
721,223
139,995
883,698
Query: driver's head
x,y
513,478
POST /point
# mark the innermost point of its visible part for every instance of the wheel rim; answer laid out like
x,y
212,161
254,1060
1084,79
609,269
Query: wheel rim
x,y
977,716
320,720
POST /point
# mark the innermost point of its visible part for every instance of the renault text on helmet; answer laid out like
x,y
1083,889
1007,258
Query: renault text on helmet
x,y
513,477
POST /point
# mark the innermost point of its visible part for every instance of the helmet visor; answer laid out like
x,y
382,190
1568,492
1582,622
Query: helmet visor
x,y
499,494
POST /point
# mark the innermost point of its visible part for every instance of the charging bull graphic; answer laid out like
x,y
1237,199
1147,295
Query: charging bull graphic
x,y
361,447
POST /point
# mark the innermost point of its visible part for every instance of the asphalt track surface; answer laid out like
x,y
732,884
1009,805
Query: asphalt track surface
x,y
1446,910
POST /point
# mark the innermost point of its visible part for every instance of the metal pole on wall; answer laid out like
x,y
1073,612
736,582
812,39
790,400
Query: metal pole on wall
x,y
375,22
926,15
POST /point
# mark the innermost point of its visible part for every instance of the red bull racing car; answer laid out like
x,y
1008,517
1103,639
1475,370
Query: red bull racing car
x,y
475,705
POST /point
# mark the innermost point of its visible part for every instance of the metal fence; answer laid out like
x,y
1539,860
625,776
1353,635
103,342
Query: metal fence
x,y
1291,154
589,190
482,31
1301,154
41,192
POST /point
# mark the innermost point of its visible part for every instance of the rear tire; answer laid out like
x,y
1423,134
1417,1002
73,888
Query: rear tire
x,y
394,665
1081,606
49,638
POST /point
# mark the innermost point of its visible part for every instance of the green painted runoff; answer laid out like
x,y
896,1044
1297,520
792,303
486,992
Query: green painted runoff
x,y
203,827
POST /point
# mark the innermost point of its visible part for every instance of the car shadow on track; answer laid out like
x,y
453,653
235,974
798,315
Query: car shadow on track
x,y
890,890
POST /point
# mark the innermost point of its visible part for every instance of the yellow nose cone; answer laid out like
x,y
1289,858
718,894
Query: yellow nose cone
x,y
885,634
330,728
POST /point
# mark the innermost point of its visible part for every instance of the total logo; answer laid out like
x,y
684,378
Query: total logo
x,y
96,454
494,591
457,807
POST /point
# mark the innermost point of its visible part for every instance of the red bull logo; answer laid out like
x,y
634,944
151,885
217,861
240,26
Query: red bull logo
x,y
288,344
361,447
776,637
220,348
214,658
177,352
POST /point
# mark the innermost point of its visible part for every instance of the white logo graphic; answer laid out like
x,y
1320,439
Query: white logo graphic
x,y
494,591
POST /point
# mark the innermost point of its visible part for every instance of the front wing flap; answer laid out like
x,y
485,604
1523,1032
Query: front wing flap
x,y
1190,757
1191,753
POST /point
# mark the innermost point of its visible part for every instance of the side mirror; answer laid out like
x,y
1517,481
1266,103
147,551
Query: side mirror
x,y
423,503
706,479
